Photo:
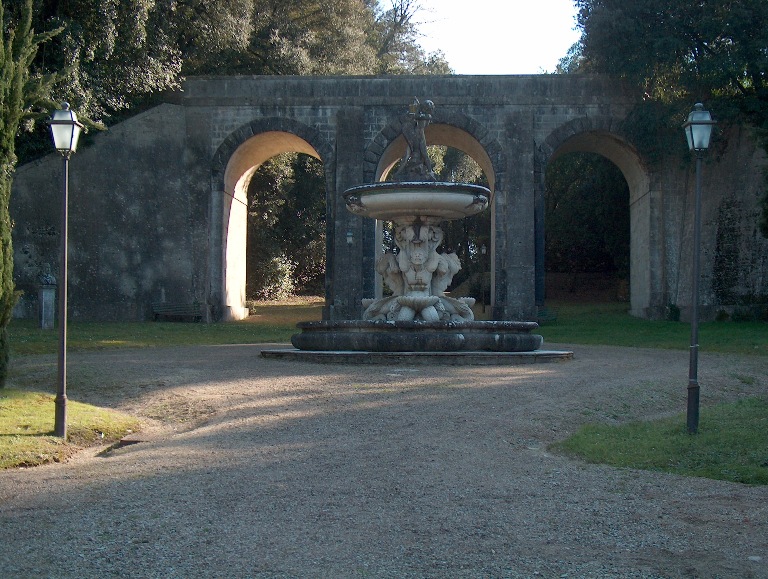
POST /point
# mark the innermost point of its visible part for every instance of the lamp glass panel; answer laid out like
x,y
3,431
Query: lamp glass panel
x,y
701,134
698,129
65,130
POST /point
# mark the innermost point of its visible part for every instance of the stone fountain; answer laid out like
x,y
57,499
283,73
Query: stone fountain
x,y
418,318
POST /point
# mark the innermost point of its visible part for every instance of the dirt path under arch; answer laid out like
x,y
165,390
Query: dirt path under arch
x,y
261,468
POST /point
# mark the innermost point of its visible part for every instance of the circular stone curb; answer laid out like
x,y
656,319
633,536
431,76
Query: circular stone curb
x,y
420,358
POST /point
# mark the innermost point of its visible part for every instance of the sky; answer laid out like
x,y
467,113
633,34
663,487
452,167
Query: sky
x,y
499,36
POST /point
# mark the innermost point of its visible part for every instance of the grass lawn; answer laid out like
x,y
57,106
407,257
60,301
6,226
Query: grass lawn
x,y
26,428
610,324
269,322
601,323
732,444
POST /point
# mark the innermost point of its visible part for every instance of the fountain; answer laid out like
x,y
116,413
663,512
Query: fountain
x,y
418,318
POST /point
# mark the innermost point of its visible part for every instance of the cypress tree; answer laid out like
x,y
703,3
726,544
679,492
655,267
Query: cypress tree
x,y
19,91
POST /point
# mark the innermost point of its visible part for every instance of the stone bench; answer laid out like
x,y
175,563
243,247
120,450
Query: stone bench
x,y
175,311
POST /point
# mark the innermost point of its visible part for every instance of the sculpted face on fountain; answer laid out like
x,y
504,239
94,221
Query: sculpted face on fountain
x,y
418,277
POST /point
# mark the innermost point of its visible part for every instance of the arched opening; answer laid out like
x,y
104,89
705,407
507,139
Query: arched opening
x,y
626,159
239,172
457,157
286,241
587,233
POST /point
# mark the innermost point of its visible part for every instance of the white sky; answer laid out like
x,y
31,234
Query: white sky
x,y
499,36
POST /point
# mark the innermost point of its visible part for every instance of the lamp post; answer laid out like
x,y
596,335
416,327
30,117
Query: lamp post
x,y
483,251
698,130
65,130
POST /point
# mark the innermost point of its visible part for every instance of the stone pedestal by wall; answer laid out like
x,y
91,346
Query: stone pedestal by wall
x,y
46,300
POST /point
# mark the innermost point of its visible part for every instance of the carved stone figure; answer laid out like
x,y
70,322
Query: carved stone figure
x,y
418,277
46,276
415,164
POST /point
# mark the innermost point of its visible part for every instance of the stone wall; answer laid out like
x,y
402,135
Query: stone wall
x,y
734,254
135,231
151,200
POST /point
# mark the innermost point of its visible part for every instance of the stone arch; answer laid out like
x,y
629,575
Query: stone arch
x,y
234,163
603,135
448,128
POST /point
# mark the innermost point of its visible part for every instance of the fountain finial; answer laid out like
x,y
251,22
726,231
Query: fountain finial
x,y
415,165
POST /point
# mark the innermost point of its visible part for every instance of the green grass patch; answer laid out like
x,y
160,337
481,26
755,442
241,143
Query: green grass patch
x,y
268,322
600,323
27,421
731,444
611,324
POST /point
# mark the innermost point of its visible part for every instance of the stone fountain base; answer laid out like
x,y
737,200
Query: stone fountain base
x,y
401,336
418,343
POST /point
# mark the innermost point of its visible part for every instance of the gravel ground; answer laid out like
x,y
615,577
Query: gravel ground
x,y
264,468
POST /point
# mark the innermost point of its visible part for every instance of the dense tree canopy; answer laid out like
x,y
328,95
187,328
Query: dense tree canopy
x,y
119,53
679,52
674,47
115,52
273,36
286,228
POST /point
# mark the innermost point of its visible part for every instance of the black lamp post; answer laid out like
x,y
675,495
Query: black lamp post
x,y
698,130
483,251
65,130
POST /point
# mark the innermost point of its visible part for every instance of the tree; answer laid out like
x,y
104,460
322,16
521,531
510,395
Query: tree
x,y
679,52
394,36
286,227
117,55
115,52
465,236
20,93
297,37
699,48
273,36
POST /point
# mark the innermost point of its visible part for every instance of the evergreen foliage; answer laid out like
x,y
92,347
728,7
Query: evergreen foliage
x,y
20,91
678,53
286,228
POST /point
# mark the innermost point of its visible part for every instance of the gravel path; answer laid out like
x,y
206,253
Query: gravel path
x,y
262,468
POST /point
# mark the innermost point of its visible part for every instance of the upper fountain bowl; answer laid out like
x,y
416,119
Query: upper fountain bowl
x,y
404,202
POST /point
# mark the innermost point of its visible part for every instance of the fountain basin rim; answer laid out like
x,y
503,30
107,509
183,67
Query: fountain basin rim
x,y
476,325
417,336
390,186
407,202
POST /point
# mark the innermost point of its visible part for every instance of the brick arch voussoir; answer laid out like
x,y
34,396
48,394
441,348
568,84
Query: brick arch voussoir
x,y
271,124
602,124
